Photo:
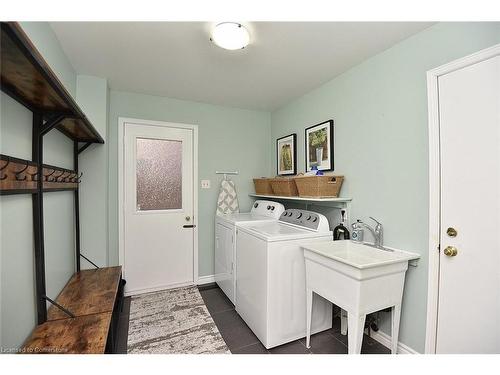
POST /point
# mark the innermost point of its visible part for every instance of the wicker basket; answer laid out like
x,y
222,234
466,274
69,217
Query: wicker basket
x,y
326,186
263,186
284,186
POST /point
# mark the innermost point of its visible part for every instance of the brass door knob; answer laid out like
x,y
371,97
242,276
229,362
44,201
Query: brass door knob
x,y
450,251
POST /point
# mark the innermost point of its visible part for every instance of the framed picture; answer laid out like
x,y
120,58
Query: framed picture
x,y
286,155
319,146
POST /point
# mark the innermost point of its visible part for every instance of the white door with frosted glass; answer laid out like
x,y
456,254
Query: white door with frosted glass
x,y
158,209
469,265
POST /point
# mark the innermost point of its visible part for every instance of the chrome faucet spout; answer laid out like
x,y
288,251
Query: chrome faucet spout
x,y
372,231
377,233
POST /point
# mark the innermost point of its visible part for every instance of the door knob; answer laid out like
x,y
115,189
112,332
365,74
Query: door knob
x,y
450,251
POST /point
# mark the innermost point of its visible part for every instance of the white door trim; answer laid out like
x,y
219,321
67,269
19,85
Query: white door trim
x,y
121,133
434,184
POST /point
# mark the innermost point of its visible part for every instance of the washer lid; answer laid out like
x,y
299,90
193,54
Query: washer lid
x,y
246,217
276,231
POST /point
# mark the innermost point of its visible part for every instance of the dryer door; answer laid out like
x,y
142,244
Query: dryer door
x,y
224,253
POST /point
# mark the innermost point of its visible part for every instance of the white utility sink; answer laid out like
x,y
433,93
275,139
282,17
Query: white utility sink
x,y
361,256
358,278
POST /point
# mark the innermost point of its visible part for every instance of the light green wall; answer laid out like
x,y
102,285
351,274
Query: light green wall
x,y
229,139
380,113
92,97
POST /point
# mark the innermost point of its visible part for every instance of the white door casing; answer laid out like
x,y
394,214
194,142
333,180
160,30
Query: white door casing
x,y
464,134
155,249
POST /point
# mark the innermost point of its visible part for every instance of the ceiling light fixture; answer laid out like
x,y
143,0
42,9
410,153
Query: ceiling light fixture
x,y
230,35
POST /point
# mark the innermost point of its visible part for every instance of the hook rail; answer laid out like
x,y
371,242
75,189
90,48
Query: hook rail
x,y
22,176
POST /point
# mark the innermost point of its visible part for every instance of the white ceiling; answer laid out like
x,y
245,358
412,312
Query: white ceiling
x,y
176,59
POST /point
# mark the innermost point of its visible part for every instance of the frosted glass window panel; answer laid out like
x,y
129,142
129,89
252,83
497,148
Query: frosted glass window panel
x,y
159,174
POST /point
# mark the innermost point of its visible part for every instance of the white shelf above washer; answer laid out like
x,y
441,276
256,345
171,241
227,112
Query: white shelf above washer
x,y
302,199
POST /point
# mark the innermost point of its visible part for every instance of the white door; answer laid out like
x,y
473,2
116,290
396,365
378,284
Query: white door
x,y
469,281
158,207
224,263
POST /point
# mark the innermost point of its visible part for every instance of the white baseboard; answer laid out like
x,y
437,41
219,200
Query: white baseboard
x,y
385,340
206,279
201,281
155,289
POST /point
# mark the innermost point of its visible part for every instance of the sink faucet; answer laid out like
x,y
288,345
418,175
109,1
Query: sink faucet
x,y
377,233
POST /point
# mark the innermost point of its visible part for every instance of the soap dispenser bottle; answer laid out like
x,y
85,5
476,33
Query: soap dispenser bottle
x,y
357,231
340,230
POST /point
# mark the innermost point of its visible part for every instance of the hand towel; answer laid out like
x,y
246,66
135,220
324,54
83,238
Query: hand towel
x,y
227,203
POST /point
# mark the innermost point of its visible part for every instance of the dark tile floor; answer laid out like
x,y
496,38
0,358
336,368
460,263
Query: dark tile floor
x,y
241,340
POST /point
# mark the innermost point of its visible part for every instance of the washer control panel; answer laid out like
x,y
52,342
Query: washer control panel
x,y
306,219
268,208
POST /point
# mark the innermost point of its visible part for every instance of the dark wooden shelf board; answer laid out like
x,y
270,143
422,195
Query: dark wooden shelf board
x,y
88,292
82,335
27,77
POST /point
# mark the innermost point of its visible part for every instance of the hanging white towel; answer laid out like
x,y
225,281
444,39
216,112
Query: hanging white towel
x,y
227,203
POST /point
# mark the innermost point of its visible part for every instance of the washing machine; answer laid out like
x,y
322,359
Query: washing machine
x,y
270,283
225,240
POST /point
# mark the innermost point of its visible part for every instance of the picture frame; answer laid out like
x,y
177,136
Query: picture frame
x,y
286,155
319,143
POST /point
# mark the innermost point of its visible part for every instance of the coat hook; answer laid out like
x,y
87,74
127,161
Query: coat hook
x,y
62,177
47,176
55,178
4,176
33,175
18,178
79,178
70,177
76,179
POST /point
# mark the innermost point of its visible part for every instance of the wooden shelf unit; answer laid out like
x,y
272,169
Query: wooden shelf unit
x,y
26,77
94,297
86,334
88,292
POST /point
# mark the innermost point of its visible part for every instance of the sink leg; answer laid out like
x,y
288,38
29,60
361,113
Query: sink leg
x,y
309,302
343,322
396,315
355,332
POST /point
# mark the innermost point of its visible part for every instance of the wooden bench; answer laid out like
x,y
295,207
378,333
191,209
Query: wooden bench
x,y
94,298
